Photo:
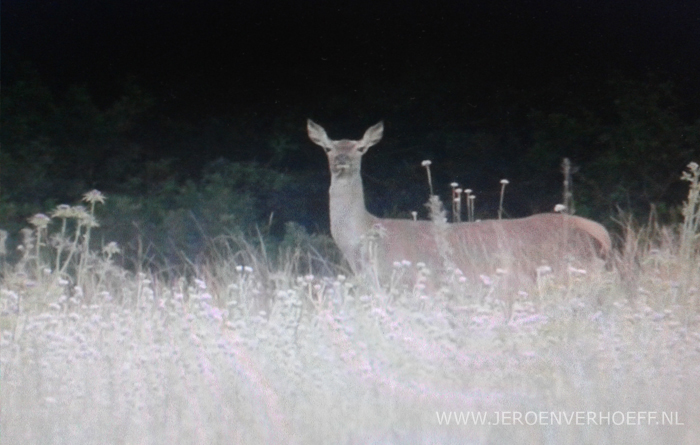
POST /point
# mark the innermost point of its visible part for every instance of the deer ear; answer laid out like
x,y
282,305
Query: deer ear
x,y
372,136
317,134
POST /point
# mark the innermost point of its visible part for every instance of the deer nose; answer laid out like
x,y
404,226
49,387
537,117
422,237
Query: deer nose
x,y
341,161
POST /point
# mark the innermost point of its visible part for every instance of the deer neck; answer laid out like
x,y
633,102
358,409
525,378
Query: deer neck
x,y
349,217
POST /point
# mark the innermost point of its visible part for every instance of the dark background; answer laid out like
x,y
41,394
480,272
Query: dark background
x,y
215,56
182,110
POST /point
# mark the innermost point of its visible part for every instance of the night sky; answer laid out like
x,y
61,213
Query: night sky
x,y
207,57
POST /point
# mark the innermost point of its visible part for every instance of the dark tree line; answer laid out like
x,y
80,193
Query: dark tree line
x,y
176,180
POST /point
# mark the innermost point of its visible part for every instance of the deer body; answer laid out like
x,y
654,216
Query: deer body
x,y
516,245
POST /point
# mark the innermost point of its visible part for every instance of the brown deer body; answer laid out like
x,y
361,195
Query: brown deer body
x,y
518,246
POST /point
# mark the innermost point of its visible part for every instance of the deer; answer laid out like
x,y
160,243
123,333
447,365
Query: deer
x,y
517,247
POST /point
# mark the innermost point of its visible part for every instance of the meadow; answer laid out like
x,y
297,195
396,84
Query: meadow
x,y
241,350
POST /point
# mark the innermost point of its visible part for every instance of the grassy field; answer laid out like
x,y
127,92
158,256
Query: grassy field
x,y
239,352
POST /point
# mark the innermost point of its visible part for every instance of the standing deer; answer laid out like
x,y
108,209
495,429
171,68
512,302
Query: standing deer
x,y
517,246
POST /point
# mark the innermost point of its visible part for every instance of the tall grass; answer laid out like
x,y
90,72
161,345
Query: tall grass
x,y
244,350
